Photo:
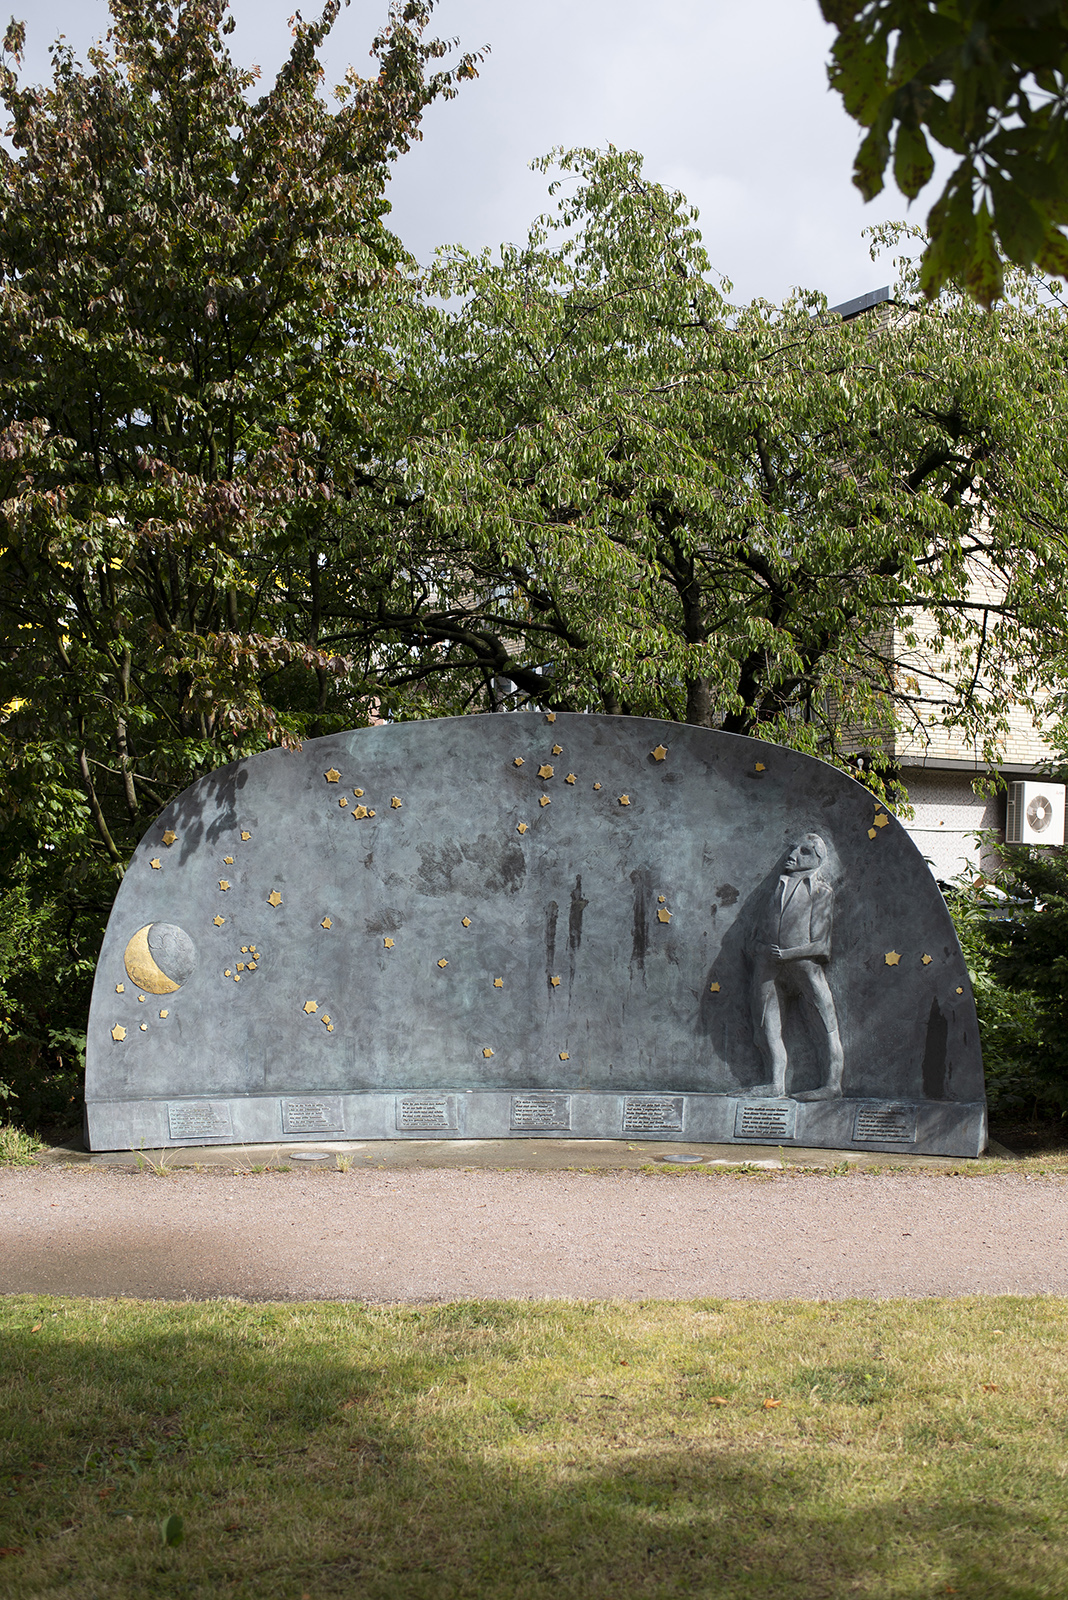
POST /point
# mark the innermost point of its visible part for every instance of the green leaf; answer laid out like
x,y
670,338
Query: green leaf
x,y
172,1529
913,162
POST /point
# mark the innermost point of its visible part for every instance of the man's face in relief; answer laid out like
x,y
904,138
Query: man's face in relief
x,y
804,857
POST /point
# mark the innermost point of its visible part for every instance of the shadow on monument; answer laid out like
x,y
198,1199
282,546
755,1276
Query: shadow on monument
x,y
317,1472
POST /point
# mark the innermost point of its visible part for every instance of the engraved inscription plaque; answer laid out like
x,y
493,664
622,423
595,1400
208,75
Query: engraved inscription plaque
x,y
540,1111
767,1121
432,1113
653,1113
885,1125
190,1120
313,1115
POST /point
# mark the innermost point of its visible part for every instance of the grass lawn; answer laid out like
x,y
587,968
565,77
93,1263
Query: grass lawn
x,y
563,1449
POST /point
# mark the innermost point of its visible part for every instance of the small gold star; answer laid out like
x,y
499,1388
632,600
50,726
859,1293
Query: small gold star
x,y
713,988
624,799
550,716
228,861
558,749
555,981
443,962
370,813
274,898
118,1032
926,960
358,793
224,884
465,922
545,801
663,915
120,988
156,863
244,949
228,973
245,835
487,1052
518,762
570,778
871,833
892,957
498,983
660,753
388,943
662,898
327,922
522,827
564,1056
333,775
237,977
169,837
218,921
325,1020
330,1027
882,820
359,812
960,991
760,766
144,1027
545,771
343,801
240,966
252,966
310,1006
164,1014
597,786
141,998
396,802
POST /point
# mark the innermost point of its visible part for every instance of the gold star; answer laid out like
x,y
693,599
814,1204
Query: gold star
x,y
624,799
960,991
245,834
522,827
660,753
330,1027
343,801
892,957
370,813
871,833
223,885
564,1056
558,749
926,960
597,786
359,812
388,943
156,863
169,837
240,966
274,898
228,861
498,983
120,988
310,1006
252,966
570,778
713,988
550,716
327,923
228,973
443,962
358,793
545,801
244,949
396,802
141,998
663,915
555,981
218,921
545,771
662,898
144,1027
465,922
164,1013
882,820
518,762
760,766
118,1032
333,775
325,1020
487,1052
237,977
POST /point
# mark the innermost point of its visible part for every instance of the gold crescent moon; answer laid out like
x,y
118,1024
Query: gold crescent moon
x,y
142,967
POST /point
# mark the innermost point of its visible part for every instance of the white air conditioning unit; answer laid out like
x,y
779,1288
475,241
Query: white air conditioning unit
x,y
1035,813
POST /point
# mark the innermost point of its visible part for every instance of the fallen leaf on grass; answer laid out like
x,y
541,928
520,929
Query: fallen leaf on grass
x,y
37,1327
769,1405
172,1530
11,1550
989,1388
103,1493
718,1400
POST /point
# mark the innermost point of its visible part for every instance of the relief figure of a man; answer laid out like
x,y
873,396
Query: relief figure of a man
x,y
789,947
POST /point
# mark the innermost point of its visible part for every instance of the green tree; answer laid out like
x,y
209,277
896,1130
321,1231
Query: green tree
x,y
987,79
189,275
625,494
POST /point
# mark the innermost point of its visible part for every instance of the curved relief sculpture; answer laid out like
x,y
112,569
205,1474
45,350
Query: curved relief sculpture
x,y
789,948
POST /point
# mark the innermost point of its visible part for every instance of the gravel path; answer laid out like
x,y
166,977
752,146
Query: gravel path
x,y
426,1235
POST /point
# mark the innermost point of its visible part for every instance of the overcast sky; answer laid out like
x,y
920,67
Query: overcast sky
x,y
727,101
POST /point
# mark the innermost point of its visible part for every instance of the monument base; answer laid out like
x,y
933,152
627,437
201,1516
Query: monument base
x,y
935,1127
